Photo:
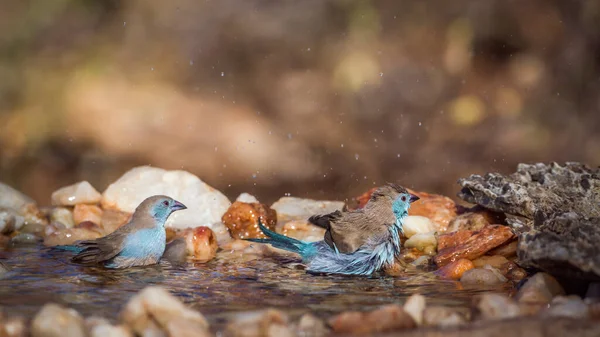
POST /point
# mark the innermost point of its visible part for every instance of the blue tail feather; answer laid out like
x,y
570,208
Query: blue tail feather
x,y
279,241
68,248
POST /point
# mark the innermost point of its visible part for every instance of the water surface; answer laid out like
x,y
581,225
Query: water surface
x,y
218,289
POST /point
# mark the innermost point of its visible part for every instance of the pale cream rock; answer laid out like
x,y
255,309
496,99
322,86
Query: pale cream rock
x,y
416,224
497,306
153,308
422,242
62,215
292,208
54,320
247,198
414,306
205,205
80,193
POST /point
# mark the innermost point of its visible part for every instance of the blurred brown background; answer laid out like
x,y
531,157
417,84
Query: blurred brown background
x,y
317,98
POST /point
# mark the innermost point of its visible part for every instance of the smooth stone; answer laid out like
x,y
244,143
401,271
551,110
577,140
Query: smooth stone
x,y
414,306
480,276
539,289
154,307
385,319
416,224
24,239
54,320
496,306
269,322
247,198
568,306
442,316
62,215
301,230
292,208
80,193
10,221
421,241
496,261
205,205
101,327
201,243
11,198
13,327
310,326
455,270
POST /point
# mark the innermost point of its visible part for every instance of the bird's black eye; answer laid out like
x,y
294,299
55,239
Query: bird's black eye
x,y
166,203
403,198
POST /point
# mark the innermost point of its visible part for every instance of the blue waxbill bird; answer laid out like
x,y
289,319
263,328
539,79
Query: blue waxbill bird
x,y
139,242
358,242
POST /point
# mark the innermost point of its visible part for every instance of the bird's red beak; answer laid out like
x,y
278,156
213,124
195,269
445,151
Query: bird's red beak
x,y
177,206
413,198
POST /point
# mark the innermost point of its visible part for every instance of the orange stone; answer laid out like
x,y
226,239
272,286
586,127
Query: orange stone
x,y
242,219
455,270
83,212
201,243
475,245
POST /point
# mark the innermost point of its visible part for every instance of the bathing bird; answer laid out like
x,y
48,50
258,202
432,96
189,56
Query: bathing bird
x,y
357,242
139,242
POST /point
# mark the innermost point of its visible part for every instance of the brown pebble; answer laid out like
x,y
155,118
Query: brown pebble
x,y
242,219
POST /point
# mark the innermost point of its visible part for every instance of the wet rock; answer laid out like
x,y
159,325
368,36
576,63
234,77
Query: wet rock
x,y
205,205
25,239
476,245
292,208
414,306
536,188
154,307
84,231
20,203
267,323
593,290
92,213
440,209
508,250
310,326
495,306
416,224
561,206
54,320
425,242
495,261
301,230
563,245
62,215
482,276
13,327
242,220
247,198
201,243
181,327
469,222
568,306
442,316
539,289
453,239
113,219
387,318
100,327
455,270
80,193
10,221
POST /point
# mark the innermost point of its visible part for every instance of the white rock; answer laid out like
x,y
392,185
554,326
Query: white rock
x,y
247,198
54,320
497,306
63,216
81,193
568,306
416,224
154,308
421,241
414,306
292,208
442,316
100,327
205,205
